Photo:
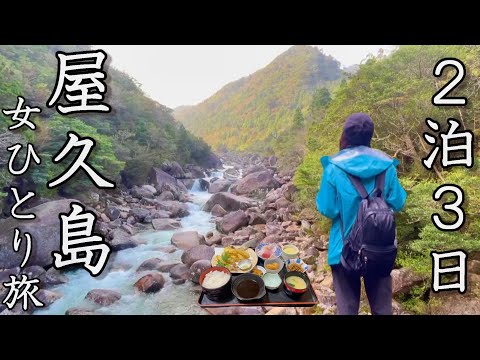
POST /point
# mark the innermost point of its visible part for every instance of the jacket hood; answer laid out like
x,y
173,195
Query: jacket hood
x,y
361,161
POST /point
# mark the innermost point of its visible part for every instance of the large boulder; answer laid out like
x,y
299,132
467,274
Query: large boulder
x,y
174,169
218,211
256,182
103,297
150,264
166,224
196,171
175,208
200,252
186,240
229,202
141,192
113,213
219,186
180,272
197,268
165,182
150,283
47,297
55,277
45,231
232,222
121,240
404,279
139,214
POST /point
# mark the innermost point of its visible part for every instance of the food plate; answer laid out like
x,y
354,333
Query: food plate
x,y
274,251
219,252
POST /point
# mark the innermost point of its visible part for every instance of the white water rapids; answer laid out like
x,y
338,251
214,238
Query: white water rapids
x,y
172,299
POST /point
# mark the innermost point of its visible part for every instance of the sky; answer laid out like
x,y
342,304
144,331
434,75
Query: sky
x,y
177,75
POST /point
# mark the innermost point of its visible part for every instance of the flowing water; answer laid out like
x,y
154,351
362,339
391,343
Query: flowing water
x,y
172,299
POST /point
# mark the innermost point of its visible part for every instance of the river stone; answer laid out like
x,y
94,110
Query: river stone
x,y
180,272
166,195
112,212
103,297
167,266
47,297
149,188
164,181
121,240
44,230
282,203
186,240
176,208
141,193
214,240
79,311
232,222
255,182
173,168
218,211
55,277
256,219
229,202
200,252
166,224
150,283
139,213
35,272
219,186
197,268
150,264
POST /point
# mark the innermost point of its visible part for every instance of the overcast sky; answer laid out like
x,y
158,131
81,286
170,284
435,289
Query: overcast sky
x,y
188,74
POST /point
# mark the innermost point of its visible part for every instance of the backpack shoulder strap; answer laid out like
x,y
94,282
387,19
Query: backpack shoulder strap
x,y
357,183
380,183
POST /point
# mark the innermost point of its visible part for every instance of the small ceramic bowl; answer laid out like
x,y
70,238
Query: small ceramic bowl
x,y
223,291
267,251
245,265
296,265
290,251
274,261
260,269
272,281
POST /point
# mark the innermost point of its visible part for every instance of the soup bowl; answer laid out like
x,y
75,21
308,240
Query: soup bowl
x,y
248,287
289,286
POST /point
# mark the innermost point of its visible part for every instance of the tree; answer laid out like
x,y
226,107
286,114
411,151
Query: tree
x,y
298,119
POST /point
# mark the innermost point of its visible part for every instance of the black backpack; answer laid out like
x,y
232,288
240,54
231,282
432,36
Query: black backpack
x,y
370,248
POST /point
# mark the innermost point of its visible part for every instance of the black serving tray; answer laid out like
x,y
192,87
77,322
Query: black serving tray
x,y
272,298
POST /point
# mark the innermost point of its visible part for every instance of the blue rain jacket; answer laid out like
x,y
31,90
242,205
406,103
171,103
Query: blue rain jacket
x,y
338,197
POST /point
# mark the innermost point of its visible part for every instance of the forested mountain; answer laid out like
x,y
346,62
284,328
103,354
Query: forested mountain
x,y
260,112
138,133
397,91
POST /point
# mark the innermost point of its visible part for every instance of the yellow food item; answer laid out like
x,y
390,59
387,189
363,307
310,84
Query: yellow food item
x,y
297,282
295,267
230,257
290,250
257,272
273,266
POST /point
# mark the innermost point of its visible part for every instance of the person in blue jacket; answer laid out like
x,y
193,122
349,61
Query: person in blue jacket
x,y
338,197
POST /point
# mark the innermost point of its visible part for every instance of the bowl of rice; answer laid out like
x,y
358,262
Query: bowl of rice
x,y
216,282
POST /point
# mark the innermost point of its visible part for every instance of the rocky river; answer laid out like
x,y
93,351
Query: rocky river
x,y
163,236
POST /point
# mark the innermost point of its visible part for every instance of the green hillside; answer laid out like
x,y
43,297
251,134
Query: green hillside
x,y
255,112
396,91
138,133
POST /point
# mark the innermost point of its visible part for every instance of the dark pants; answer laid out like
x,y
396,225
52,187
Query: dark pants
x,y
347,291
